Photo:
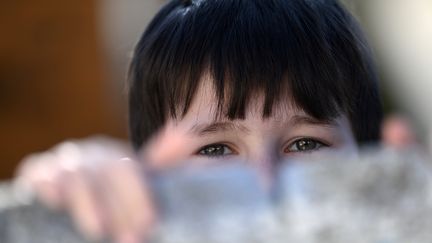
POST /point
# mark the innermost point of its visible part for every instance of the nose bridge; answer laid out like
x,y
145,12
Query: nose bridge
x,y
265,159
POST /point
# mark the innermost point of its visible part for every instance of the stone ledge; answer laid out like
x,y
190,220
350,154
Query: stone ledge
x,y
380,197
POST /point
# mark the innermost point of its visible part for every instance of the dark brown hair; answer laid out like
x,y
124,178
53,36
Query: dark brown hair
x,y
312,50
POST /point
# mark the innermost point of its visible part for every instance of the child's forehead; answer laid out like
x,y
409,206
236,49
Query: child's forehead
x,y
205,105
203,113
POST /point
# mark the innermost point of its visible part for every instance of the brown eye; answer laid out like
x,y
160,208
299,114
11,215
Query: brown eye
x,y
304,145
215,150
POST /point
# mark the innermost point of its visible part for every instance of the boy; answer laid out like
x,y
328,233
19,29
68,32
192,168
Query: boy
x,y
255,80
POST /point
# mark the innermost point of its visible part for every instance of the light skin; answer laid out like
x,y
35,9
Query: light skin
x,y
94,192
286,133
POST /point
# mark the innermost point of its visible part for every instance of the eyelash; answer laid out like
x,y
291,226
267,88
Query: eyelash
x,y
222,150
216,147
317,145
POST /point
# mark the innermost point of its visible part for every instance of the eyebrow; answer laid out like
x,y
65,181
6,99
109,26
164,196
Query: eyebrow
x,y
215,127
300,120
205,129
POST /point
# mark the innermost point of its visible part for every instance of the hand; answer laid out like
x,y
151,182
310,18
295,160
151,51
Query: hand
x,y
397,132
104,192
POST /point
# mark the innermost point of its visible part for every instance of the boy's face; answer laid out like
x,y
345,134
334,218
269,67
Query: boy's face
x,y
262,142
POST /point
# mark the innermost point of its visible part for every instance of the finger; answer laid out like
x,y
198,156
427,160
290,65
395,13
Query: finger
x,y
83,205
129,203
127,238
40,174
166,150
397,132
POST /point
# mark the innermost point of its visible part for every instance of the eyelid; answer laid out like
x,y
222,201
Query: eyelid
x,y
296,139
230,146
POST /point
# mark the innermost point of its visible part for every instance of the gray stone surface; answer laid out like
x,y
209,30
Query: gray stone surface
x,y
36,224
380,197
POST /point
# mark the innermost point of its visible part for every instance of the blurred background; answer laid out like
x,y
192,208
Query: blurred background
x,y
63,66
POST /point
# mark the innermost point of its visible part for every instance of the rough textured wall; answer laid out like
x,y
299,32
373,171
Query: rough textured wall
x,y
384,197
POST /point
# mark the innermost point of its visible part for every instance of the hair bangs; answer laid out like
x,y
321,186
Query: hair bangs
x,y
287,51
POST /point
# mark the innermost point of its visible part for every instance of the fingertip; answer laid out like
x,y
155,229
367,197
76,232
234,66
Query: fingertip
x,y
397,131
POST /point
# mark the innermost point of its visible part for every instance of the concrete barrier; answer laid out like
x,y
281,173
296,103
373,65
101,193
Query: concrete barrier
x,y
381,196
